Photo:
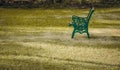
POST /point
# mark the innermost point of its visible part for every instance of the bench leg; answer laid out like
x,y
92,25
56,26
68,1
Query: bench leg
x,y
88,35
73,33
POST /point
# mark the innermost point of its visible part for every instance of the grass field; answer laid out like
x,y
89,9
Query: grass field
x,y
40,39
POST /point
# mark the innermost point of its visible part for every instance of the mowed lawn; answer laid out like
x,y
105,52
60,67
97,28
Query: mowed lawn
x,y
40,39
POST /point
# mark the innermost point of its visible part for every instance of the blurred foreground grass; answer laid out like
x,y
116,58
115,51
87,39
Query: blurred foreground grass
x,y
51,48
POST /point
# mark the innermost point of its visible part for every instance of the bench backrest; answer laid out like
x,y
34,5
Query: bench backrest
x,y
76,20
90,13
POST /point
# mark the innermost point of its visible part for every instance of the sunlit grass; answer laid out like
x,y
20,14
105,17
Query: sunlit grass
x,y
54,46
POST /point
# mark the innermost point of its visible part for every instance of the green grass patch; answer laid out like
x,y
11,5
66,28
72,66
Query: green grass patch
x,y
56,17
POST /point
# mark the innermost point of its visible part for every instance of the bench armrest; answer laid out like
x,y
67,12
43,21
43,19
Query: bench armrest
x,y
79,20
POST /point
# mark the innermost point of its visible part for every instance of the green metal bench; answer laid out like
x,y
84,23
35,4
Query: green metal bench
x,y
80,24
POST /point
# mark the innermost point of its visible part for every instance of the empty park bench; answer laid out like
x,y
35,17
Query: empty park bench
x,y
81,24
